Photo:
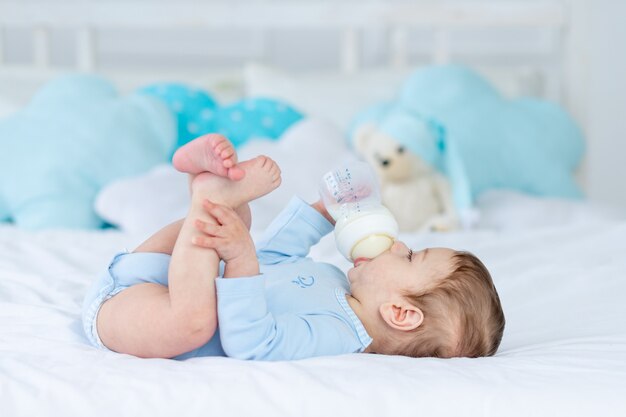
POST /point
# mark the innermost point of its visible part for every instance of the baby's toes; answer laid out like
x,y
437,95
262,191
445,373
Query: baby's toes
x,y
271,165
220,146
266,163
230,160
227,153
236,173
275,171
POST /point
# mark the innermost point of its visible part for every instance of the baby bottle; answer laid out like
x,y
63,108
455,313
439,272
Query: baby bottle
x,y
364,227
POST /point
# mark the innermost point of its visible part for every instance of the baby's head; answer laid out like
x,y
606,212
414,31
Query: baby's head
x,y
435,302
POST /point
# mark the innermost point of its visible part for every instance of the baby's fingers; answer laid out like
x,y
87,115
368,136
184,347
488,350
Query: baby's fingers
x,y
204,242
221,213
208,228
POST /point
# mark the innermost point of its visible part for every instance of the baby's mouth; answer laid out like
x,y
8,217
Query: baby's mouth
x,y
358,261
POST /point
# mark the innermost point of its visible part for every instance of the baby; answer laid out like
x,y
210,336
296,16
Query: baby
x,y
172,298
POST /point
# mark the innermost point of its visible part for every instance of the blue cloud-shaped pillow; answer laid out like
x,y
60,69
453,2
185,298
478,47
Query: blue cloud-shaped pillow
x,y
198,113
75,136
482,140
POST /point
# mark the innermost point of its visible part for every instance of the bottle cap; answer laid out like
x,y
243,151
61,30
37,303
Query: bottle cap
x,y
367,235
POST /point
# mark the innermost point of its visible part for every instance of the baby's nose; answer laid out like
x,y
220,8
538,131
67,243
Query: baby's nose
x,y
399,247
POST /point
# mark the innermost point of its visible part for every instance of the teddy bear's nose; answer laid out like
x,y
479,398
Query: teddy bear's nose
x,y
385,162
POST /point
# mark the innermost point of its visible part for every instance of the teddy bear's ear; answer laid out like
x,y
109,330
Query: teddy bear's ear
x,y
362,136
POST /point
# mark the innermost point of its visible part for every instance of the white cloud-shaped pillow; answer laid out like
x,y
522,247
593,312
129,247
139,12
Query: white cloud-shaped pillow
x,y
143,204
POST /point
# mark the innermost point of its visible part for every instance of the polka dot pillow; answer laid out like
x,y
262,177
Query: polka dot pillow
x,y
197,113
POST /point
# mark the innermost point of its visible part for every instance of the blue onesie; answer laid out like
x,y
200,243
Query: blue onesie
x,y
296,308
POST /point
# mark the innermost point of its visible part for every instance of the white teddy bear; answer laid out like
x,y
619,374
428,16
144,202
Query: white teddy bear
x,y
418,196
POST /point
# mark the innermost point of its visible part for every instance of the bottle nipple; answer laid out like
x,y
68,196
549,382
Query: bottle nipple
x,y
371,246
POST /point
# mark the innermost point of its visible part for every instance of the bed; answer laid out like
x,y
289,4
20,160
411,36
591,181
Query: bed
x,y
559,265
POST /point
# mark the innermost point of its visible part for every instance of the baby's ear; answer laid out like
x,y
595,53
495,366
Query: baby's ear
x,y
401,315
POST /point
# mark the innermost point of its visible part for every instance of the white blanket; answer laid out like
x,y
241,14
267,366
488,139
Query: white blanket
x,y
563,352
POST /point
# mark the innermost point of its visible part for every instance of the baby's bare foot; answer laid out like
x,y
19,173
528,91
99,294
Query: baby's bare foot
x,y
209,153
262,175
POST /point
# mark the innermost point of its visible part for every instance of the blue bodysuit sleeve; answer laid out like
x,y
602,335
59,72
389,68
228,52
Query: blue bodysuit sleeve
x,y
249,331
291,235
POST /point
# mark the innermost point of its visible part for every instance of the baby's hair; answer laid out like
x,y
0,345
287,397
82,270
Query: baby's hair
x,y
463,316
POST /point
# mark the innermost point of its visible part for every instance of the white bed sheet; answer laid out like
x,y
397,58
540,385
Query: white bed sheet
x,y
563,352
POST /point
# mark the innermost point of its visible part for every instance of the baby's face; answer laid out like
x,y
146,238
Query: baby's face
x,y
392,273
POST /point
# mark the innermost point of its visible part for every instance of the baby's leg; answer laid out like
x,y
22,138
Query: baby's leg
x,y
150,320
209,153
163,241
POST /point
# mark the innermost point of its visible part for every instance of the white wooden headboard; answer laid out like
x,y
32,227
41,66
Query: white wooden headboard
x,y
566,76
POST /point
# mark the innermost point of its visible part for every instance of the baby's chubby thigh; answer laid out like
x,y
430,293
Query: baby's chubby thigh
x,y
124,271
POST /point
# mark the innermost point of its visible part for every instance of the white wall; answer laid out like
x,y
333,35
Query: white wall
x,y
606,158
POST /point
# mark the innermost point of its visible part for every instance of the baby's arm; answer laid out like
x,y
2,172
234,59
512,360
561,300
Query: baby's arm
x,y
298,227
248,330
321,209
292,233
230,239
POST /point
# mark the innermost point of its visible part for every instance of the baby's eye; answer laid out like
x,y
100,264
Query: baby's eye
x,y
410,255
401,149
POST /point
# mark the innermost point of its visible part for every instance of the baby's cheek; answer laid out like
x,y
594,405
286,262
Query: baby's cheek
x,y
373,279
350,274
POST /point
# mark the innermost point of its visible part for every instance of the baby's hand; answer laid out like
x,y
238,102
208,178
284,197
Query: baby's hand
x,y
321,209
230,239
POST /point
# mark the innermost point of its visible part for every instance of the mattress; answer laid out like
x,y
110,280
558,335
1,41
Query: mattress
x,y
563,352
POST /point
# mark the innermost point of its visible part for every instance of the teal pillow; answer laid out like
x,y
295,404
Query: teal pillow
x,y
198,113
76,135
